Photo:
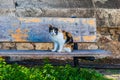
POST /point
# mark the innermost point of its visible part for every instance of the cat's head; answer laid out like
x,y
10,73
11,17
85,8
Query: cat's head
x,y
53,30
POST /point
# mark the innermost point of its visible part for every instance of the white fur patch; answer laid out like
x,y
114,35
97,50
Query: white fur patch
x,y
59,41
67,49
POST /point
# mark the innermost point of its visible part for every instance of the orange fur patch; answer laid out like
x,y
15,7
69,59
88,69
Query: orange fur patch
x,y
69,46
69,34
64,34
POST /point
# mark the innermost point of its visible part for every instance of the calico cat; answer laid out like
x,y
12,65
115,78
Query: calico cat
x,y
63,41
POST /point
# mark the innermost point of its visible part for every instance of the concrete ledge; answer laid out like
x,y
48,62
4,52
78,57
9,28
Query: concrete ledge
x,y
55,12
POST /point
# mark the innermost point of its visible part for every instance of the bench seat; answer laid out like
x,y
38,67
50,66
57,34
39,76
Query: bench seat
x,y
76,54
47,53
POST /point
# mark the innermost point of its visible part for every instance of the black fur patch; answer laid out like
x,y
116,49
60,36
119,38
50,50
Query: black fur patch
x,y
53,28
69,38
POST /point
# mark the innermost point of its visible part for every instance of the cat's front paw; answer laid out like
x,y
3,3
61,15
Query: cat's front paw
x,y
53,50
67,50
59,51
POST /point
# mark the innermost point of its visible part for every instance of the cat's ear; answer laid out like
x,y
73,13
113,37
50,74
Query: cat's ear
x,y
50,26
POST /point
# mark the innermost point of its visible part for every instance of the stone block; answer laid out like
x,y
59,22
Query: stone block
x,y
104,31
43,46
54,8
54,12
106,3
112,46
106,17
29,12
114,33
7,8
7,12
82,12
88,46
102,23
55,3
7,46
103,39
92,46
98,36
118,18
108,33
24,46
7,4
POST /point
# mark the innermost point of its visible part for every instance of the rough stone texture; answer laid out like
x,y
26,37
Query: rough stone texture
x,y
7,4
24,46
107,39
111,43
54,3
92,46
7,8
54,8
109,33
7,46
112,46
28,12
89,46
68,3
118,18
43,46
106,3
38,12
7,12
107,17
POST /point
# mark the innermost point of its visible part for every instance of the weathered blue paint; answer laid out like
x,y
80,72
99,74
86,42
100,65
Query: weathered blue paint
x,y
36,30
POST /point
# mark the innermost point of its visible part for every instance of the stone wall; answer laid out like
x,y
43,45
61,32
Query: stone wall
x,y
106,12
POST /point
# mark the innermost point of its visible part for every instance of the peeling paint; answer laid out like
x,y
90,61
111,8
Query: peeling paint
x,y
28,20
91,22
76,39
36,29
19,35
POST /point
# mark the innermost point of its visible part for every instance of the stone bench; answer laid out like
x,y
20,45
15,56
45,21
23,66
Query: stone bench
x,y
15,29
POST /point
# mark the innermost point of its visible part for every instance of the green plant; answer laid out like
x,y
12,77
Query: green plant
x,y
47,72
46,60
